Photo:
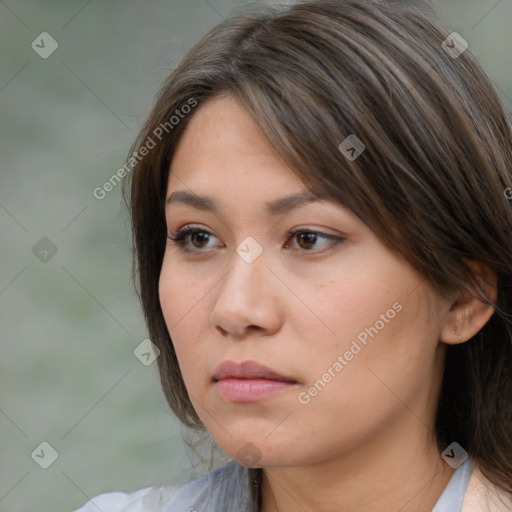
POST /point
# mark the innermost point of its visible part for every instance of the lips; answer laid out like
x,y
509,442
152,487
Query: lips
x,y
249,381
247,370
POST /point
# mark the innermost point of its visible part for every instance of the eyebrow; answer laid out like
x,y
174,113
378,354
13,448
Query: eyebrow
x,y
275,207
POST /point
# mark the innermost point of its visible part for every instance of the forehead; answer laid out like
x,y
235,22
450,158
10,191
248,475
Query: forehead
x,y
221,119
223,148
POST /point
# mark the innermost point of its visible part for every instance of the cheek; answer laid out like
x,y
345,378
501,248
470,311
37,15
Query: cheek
x,y
376,317
383,352
352,298
182,304
181,293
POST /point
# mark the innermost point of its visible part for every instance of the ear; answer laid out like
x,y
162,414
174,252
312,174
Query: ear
x,y
468,313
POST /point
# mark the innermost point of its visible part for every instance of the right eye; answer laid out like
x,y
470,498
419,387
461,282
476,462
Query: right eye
x,y
198,237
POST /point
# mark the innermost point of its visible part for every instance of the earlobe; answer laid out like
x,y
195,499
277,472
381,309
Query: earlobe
x,y
469,312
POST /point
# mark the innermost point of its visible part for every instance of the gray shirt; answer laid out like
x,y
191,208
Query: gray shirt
x,y
227,490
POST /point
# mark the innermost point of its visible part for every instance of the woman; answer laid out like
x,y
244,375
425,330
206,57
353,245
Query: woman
x,y
321,218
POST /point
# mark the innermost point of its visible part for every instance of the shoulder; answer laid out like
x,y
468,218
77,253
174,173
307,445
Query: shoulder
x,y
483,496
226,489
172,498
149,499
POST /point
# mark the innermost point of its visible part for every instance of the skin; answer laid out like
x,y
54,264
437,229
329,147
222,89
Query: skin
x,y
366,441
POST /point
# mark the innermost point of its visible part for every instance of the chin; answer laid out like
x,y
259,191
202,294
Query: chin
x,y
257,451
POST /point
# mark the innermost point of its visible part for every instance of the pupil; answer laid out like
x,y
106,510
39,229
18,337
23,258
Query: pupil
x,y
200,235
309,238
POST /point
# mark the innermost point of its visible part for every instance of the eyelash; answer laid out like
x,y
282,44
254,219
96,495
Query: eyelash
x,y
180,238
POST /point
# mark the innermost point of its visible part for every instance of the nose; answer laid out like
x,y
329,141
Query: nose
x,y
248,299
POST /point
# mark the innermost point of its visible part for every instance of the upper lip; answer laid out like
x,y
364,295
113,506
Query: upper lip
x,y
247,370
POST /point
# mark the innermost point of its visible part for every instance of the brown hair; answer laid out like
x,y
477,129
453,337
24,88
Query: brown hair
x,y
431,182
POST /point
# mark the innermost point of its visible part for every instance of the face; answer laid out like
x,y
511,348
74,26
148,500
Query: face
x,y
299,335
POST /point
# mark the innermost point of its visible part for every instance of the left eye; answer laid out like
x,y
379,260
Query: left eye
x,y
306,239
191,239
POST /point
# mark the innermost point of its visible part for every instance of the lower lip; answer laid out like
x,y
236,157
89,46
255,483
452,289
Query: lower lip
x,y
250,390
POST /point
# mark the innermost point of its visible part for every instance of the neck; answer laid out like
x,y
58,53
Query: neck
x,y
398,472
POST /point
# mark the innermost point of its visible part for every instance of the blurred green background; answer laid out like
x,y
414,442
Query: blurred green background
x,y
71,321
